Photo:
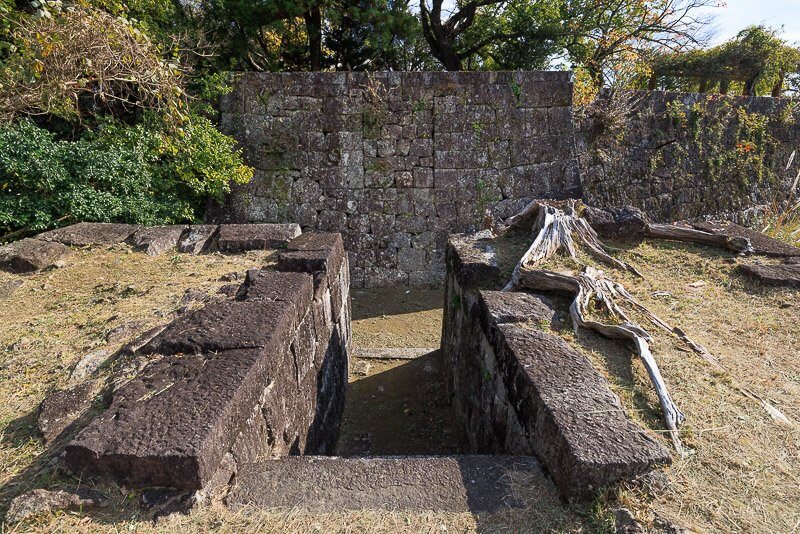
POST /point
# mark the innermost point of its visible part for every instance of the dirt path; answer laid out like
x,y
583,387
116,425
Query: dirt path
x,y
397,407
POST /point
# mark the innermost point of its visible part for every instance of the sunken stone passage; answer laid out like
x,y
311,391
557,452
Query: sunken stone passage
x,y
518,389
260,376
397,160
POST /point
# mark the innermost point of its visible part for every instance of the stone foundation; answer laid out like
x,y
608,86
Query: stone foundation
x,y
518,389
240,380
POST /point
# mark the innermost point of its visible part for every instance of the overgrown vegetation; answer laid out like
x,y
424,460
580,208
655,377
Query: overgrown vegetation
x,y
756,61
100,122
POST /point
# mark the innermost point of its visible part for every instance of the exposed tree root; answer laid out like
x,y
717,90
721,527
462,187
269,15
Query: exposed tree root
x,y
558,230
594,292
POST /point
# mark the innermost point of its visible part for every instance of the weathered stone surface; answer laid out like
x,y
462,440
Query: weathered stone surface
x,y
507,307
63,407
294,288
31,255
87,365
762,244
198,238
473,259
659,161
316,252
155,240
624,222
781,275
41,501
223,326
395,177
83,234
243,237
575,424
172,425
7,289
477,484
392,353
517,389
230,383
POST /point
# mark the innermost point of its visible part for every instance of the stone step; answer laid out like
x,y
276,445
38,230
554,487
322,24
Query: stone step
x,y
392,353
477,484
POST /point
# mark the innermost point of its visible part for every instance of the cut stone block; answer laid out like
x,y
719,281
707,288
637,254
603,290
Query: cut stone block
x,y
314,252
392,353
575,424
63,407
783,275
477,484
473,259
244,237
172,425
198,238
31,255
275,286
223,326
507,307
155,240
88,233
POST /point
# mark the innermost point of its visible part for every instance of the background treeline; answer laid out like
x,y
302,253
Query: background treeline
x,y
107,106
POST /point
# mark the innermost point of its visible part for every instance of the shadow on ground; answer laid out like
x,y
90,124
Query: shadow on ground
x,y
399,408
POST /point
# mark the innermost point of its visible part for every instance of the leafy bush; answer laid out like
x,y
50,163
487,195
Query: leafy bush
x,y
145,174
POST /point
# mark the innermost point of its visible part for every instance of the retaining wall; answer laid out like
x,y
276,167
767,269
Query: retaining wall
x,y
518,388
396,161
689,155
257,376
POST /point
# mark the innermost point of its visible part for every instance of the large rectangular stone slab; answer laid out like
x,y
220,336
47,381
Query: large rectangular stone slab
x,y
88,233
198,238
477,484
576,425
172,425
244,237
155,240
782,275
222,326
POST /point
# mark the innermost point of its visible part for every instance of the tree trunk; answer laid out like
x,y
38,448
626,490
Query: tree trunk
x,y
777,89
313,20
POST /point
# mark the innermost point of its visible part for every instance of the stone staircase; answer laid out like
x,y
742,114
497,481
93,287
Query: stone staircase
x,y
476,484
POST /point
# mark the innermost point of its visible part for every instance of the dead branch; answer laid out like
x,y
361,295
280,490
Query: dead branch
x,y
740,245
592,289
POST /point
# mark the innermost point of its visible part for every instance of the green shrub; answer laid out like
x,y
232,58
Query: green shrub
x,y
145,174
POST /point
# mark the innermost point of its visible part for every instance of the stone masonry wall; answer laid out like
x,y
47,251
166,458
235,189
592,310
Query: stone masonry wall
x,y
396,161
260,375
688,155
518,388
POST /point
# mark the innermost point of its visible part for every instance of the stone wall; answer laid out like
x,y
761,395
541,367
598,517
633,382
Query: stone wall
x,y
396,161
519,388
678,155
259,375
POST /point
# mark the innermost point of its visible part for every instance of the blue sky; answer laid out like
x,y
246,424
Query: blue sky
x,y
738,14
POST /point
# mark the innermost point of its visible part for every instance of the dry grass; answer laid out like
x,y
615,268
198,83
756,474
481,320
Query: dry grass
x,y
743,469
742,474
